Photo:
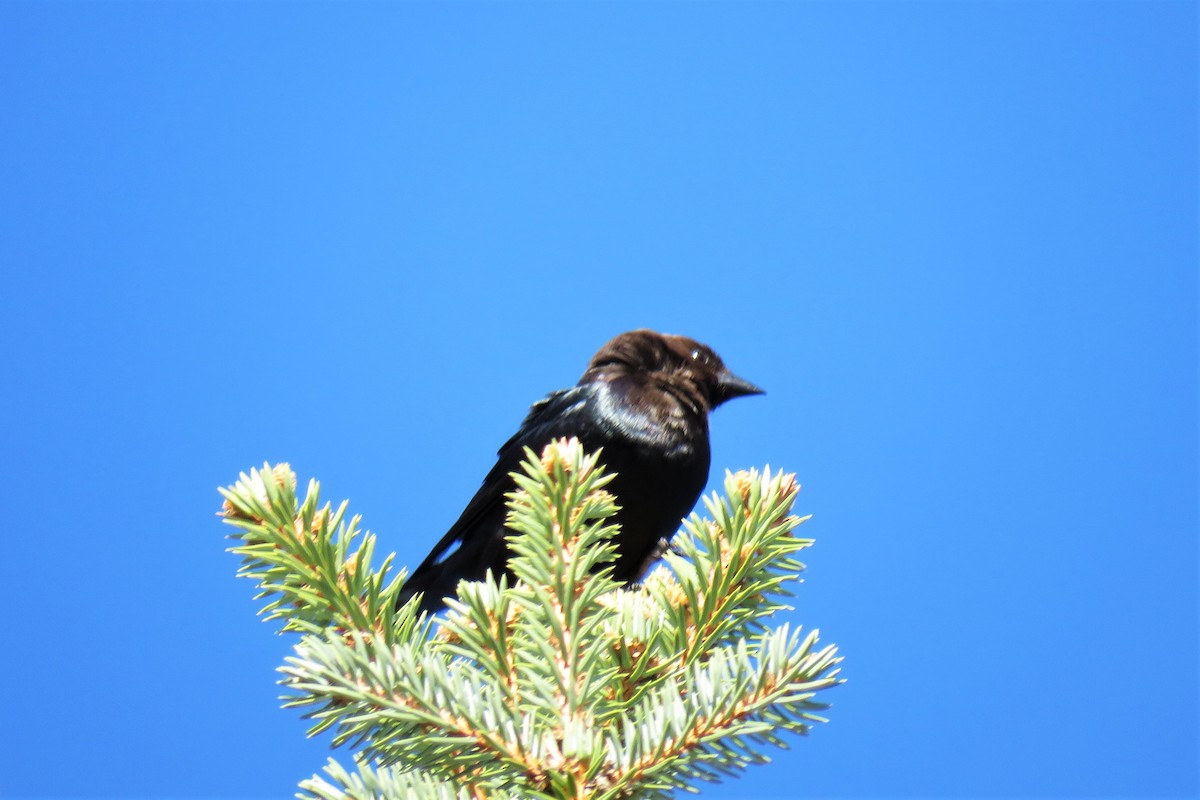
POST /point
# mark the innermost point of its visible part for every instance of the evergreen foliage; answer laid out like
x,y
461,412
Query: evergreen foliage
x,y
560,684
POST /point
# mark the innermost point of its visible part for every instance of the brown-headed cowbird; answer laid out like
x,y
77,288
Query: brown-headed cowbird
x,y
645,399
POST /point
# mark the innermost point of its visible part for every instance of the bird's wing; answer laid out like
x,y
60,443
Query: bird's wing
x,y
557,414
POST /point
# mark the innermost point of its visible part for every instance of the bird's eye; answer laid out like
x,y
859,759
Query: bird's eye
x,y
696,355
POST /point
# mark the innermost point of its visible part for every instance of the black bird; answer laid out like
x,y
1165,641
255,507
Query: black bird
x,y
645,399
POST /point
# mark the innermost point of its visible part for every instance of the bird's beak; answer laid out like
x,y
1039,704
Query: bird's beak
x,y
732,386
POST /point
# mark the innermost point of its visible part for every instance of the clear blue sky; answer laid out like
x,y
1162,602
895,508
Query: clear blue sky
x,y
956,242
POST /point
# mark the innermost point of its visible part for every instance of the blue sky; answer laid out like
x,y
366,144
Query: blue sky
x,y
956,242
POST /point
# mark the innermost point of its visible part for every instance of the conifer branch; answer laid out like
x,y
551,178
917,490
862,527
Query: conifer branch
x,y
301,556
560,683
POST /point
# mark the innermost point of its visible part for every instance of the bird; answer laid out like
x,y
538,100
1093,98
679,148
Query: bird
x,y
644,398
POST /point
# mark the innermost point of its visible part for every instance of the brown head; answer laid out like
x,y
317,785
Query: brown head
x,y
676,364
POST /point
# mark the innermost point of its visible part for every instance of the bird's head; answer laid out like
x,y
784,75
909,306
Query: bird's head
x,y
674,361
